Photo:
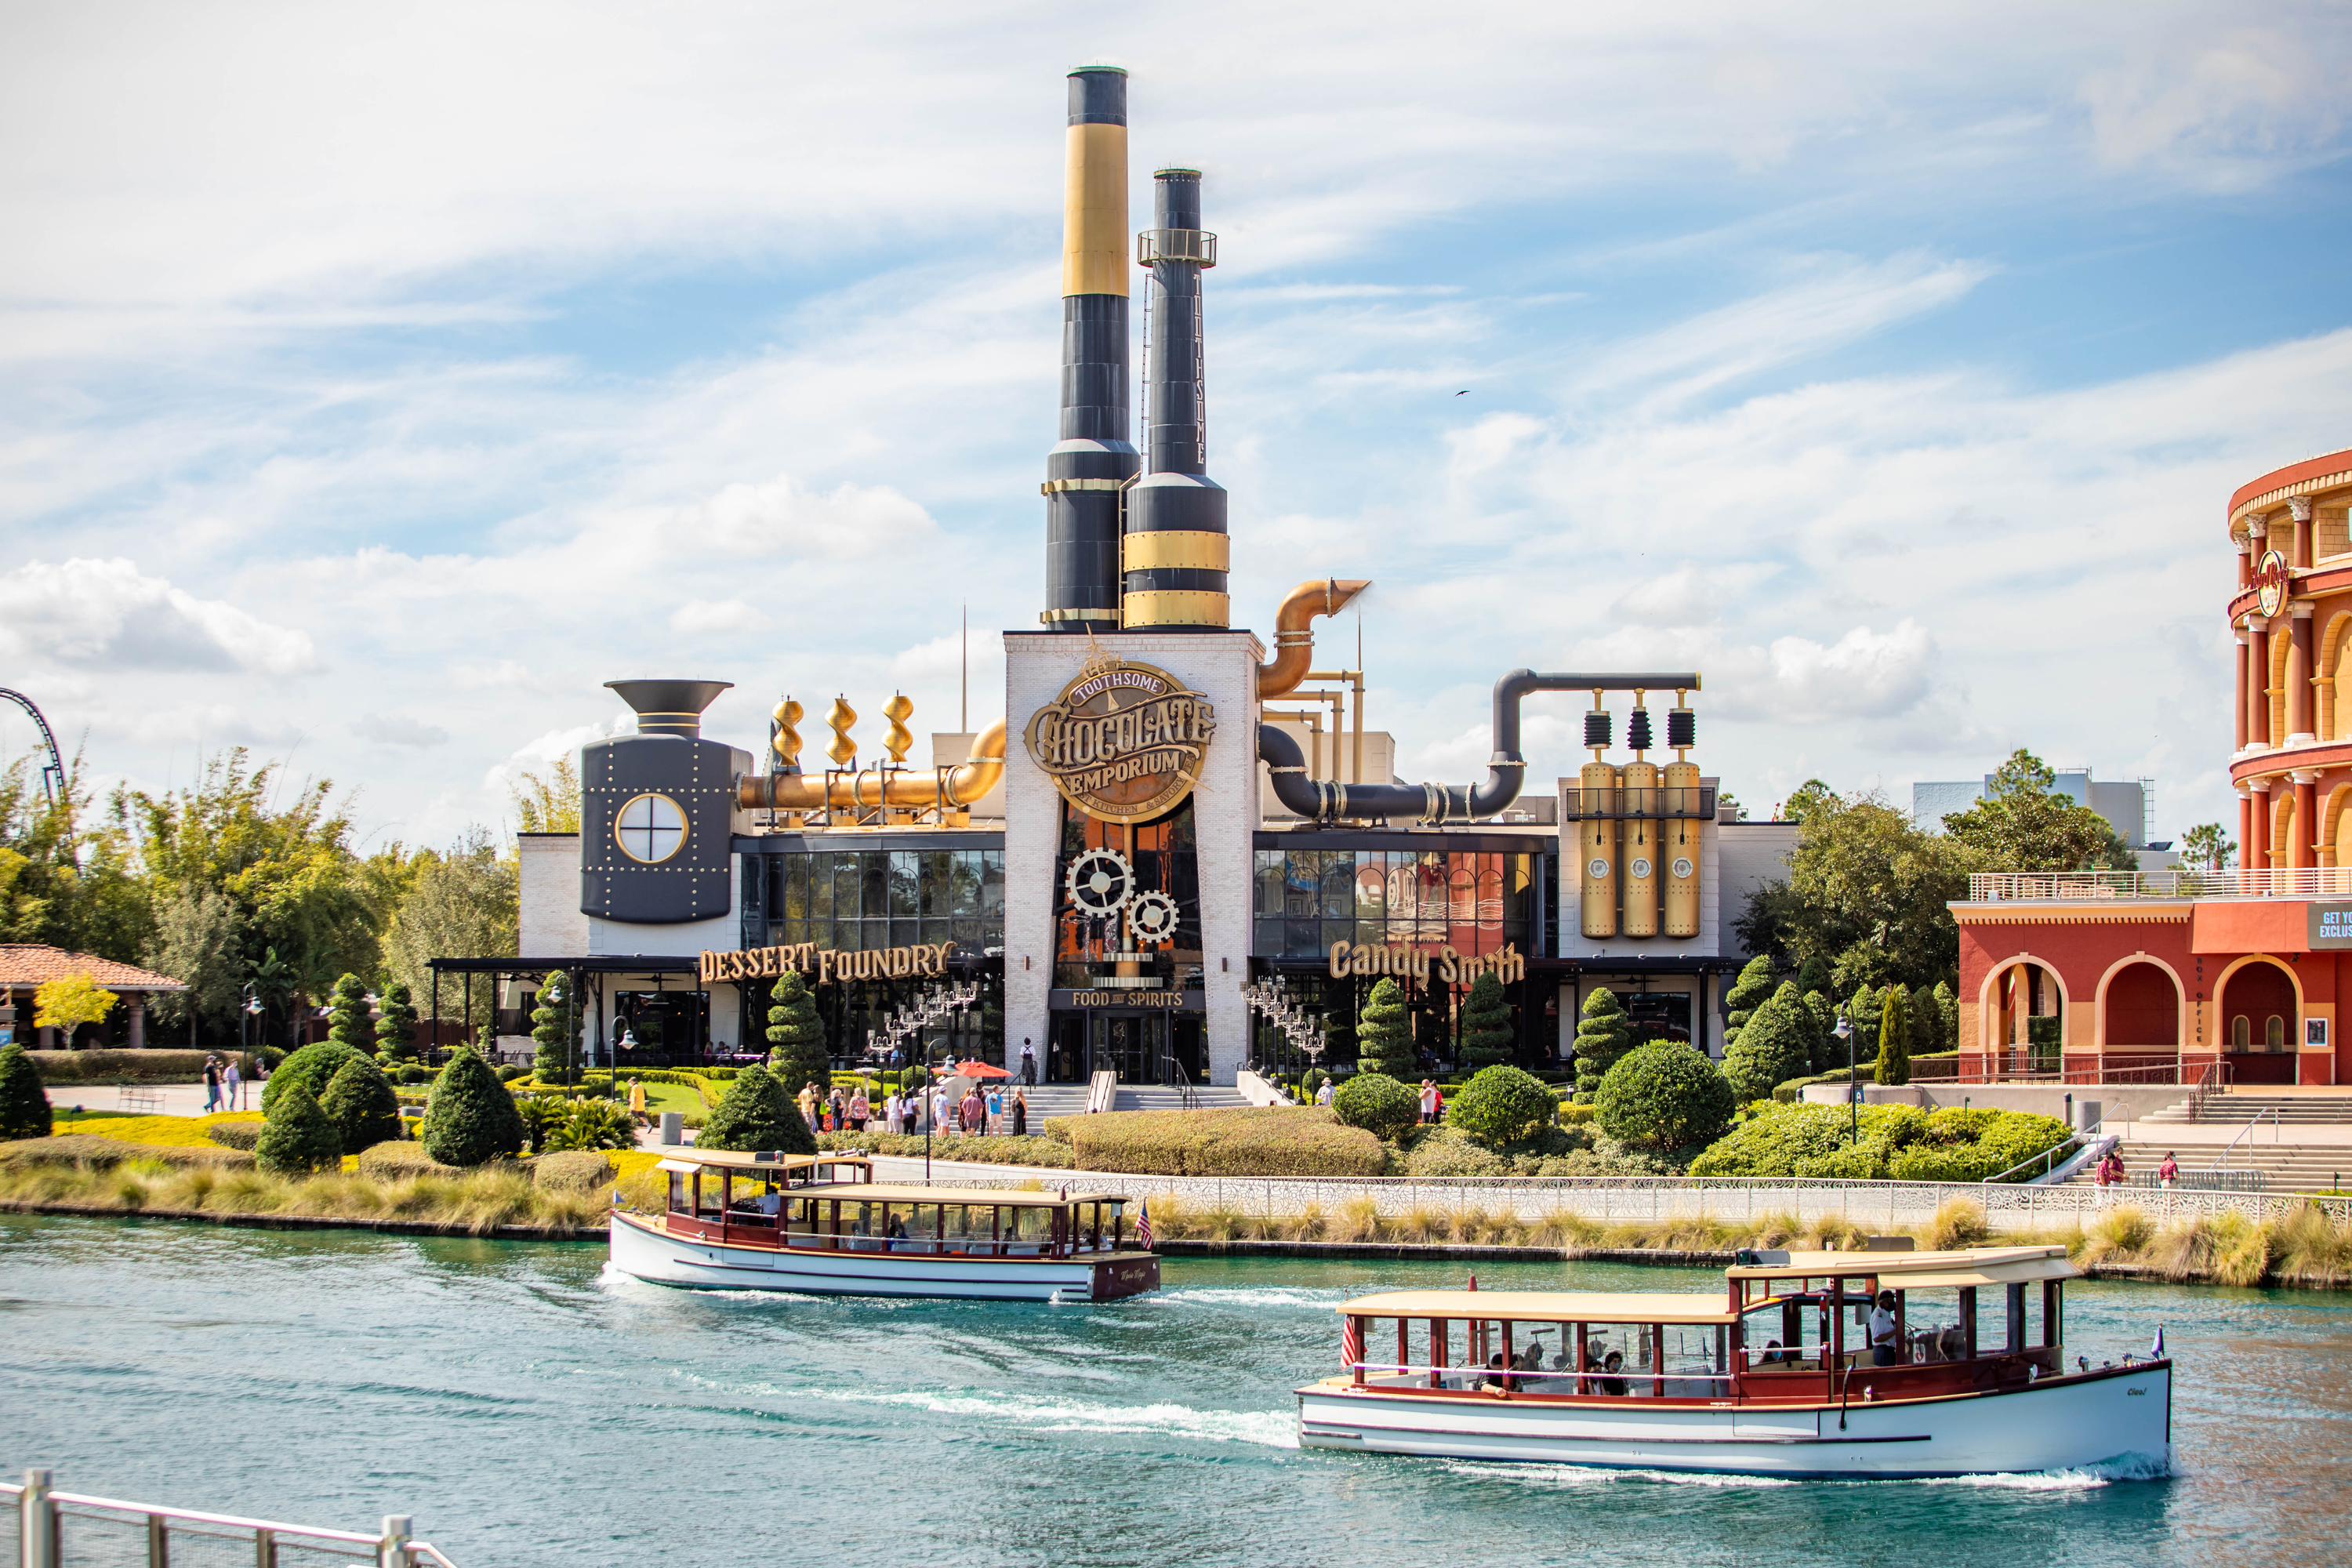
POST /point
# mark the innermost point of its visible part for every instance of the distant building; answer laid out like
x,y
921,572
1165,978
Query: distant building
x,y
2126,806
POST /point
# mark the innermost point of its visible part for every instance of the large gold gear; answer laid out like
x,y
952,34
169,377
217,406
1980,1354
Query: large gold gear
x,y
1100,883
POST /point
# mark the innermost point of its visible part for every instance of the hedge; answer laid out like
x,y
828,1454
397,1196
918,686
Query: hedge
x,y
573,1171
143,1066
90,1148
1046,1152
402,1161
1271,1141
1898,1141
1943,1066
235,1134
313,1067
1378,1104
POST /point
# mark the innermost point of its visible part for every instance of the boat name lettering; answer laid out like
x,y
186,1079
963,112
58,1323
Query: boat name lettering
x,y
1508,965
827,963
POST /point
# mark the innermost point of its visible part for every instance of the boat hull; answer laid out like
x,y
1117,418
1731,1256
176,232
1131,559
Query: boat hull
x,y
2110,1417
648,1253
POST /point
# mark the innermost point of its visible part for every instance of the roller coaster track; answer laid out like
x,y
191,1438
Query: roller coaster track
x,y
53,772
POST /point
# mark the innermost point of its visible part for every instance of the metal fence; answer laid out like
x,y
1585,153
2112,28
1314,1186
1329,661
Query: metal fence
x,y
51,1528
2249,882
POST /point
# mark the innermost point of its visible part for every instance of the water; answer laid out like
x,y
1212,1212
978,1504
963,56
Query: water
x,y
532,1408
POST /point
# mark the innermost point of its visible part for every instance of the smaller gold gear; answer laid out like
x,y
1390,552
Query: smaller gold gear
x,y
1152,918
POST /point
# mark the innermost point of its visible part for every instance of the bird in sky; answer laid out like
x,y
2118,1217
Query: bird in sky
x,y
1464,392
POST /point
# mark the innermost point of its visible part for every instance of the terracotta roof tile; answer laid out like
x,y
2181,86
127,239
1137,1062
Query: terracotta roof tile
x,y
30,964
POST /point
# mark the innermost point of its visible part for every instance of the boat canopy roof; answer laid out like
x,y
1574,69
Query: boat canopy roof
x,y
1917,1270
686,1157
884,1193
1547,1306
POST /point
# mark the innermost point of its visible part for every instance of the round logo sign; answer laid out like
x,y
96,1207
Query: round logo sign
x,y
1123,743
2270,584
1597,869
1683,867
1640,867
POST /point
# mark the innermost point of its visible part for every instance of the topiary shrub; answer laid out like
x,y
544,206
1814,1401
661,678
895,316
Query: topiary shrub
x,y
361,1104
1445,1151
395,1027
1823,1017
296,1138
1776,1045
1377,1103
311,1068
1502,1106
1488,1038
551,1027
470,1119
1384,1033
1895,1038
410,1073
508,1073
1602,1038
351,1021
401,1162
1750,991
1260,1140
756,1113
571,1171
235,1134
24,1101
1664,1095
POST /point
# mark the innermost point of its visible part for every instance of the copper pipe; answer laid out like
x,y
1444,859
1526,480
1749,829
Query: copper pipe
x,y
943,788
1293,638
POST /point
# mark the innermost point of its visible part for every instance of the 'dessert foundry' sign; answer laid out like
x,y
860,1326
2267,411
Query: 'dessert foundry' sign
x,y
1123,743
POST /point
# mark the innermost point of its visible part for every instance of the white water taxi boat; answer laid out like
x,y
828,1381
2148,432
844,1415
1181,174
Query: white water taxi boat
x,y
747,1221
1767,1379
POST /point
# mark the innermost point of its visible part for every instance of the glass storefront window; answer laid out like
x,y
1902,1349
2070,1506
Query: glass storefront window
x,y
847,899
1474,901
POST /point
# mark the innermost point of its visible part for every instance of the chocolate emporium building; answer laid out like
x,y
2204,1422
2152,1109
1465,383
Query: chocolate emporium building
x,y
1174,813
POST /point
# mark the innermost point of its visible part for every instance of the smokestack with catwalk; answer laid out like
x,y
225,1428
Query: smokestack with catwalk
x,y
1176,553
1085,472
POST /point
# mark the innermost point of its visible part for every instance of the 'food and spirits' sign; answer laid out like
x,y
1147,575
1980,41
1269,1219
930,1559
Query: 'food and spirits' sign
x,y
1123,743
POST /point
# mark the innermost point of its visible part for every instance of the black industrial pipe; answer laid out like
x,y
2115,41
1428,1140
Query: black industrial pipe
x,y
1176,552
1433,804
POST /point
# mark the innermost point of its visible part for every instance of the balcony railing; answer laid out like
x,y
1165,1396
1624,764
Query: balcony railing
x,y
2055,887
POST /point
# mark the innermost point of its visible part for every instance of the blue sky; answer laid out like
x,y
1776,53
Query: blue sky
x,y
377,385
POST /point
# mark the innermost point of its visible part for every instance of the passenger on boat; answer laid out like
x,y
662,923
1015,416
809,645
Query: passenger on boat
x,y
1882,1331
1774,1355
896,1232
1496,1372
1613,1383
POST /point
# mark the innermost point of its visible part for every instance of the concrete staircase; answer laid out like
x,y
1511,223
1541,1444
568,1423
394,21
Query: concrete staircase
x,y
2235,1108
2286,1167
1070,1099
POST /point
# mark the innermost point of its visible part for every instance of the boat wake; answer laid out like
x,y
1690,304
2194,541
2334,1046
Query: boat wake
x,y
1257,1296
2087,1478
1265,1428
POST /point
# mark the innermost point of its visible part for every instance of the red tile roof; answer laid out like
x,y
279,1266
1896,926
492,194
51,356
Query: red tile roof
x,y
30,964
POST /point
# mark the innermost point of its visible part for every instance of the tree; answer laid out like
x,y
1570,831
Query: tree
x,y
1488,1038
351,1021
1664,1097
69,1001
1776,1045
470,1118
1927,1022
757,1112
1822,1018
1502,1106
1750,991
463,904
2206,848
552,1027
199,941
1947,1018
1384,1033
1811,796
396,1029
1866,895
362,1105
312,1068
24,1103
796,1035
63,881
296,1138
1380,1105
1895,1039
550,805
1862,1010
2022,824
1602,1035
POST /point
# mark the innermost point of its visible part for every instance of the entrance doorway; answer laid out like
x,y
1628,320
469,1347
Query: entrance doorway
x,y
1143,1046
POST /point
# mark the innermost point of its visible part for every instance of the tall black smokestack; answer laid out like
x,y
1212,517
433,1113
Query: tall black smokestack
x,y
1176,552
1095,457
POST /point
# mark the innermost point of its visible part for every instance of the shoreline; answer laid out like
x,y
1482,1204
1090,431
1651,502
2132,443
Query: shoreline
x,y
1382,1251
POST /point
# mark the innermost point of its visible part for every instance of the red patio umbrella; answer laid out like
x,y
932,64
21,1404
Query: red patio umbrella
x,y
977,1070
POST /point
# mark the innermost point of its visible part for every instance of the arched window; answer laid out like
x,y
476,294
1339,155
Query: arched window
x,y
2242,1034
2275,1033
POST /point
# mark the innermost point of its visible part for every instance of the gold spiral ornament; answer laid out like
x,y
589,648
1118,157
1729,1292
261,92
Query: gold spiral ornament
x,y
901,737
844,750
787,742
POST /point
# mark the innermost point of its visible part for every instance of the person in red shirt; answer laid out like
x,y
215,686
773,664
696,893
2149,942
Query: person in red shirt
x,y
2168,1172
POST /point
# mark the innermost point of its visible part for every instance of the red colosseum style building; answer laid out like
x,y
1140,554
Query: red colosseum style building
x,y
2228,977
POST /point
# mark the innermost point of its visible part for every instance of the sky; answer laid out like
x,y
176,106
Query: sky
x,y
376,383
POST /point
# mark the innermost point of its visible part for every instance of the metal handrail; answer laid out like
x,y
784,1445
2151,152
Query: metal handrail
x,y
39,1505
2245,1135
2050,1154
2208,1083
1102,1091
2242,882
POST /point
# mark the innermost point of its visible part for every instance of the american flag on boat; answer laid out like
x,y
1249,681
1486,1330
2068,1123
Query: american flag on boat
x,y
1143,1225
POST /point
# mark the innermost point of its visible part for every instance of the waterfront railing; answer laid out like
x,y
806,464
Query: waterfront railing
x,y
70,1529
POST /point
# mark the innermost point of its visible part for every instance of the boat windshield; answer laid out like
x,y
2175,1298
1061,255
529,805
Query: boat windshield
x,y
770,1208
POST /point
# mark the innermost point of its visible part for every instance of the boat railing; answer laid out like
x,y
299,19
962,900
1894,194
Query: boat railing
x,y
1638,1380
71,1530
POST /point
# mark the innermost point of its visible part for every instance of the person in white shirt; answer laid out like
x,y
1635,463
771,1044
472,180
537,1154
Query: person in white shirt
x,y
1882,1331
890,1111
1323,1092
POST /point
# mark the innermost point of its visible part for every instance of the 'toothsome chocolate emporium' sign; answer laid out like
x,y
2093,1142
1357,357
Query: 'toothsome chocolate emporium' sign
x,y
1123,743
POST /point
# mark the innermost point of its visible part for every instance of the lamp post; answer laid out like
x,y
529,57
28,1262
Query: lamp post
x,y
1852,1089
245,1015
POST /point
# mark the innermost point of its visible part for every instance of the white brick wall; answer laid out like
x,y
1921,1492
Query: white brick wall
x,y
1222,666
552,925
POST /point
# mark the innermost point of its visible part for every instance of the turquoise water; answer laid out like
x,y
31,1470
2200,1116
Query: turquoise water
x,y
530,1408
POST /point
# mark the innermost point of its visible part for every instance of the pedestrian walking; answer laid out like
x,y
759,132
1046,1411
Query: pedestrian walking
x,y
1028,1063
637,1097
2168,1171
1021,1114
890,1111
232,1086
1431,1102
211,1084
861,1110
808,1104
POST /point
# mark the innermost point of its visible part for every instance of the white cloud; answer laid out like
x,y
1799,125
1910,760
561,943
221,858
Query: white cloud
x,y
782,516
710,616
399,729
107,614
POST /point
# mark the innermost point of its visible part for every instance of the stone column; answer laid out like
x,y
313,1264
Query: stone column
x,y
2305,545
2306,813
2258,693
2257,856
2300,729
2245,827
2237,746
134,1017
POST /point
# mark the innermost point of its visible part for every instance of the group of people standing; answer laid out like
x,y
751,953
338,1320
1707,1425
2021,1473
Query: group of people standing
x,y
992,1113
224,1084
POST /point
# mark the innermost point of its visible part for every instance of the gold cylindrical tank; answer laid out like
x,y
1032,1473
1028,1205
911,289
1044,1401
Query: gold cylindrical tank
x,y
1596,838
1638,840
1678,850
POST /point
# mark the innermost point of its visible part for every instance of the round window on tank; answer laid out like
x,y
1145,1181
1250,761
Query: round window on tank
x,y
1598,868
650,828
